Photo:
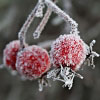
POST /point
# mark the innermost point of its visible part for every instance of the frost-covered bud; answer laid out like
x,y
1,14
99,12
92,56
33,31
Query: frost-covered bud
x,y
10,53
39,12
68,50
32,62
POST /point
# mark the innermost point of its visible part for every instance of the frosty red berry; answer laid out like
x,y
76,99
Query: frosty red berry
x,y
68,50
10,53
32,62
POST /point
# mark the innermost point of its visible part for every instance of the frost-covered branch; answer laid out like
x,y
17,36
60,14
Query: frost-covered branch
x,y
63,15
42,24
35,13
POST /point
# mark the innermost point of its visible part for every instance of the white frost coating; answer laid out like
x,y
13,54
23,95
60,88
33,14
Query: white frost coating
x,y
68,49
62,14
26,25
92,54
42,24
64,74
31,63
39,11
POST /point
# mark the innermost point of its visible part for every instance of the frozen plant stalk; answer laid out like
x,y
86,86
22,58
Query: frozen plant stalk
x,y
36,12
42,24
62,14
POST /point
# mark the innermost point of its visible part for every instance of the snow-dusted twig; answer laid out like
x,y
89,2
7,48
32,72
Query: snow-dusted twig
x,y
28,22
42,24
62,14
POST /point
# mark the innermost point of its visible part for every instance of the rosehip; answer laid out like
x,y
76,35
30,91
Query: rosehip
x,y
10,53
32,62
68,50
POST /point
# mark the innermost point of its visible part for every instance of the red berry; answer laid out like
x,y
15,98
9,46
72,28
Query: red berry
x,y
68,50
32,62
10,52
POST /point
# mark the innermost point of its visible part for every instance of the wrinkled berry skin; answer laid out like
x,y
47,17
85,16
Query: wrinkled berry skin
x,y
68,50
10,53
32,62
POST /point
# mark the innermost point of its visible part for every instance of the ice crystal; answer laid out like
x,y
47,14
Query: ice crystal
x,y
39,11
91,54
63,74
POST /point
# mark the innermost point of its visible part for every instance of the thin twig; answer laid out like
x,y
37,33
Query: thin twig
x,y
22,33
42,24
63,15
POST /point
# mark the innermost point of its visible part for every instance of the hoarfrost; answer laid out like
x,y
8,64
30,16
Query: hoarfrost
x,y
42,24
63,74
39,11
92,54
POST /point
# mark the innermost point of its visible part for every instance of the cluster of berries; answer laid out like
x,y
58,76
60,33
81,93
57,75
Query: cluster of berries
x,y
32,62
67,54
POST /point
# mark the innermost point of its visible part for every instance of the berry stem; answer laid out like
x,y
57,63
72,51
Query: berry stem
x,y
22,32
42,24
63,15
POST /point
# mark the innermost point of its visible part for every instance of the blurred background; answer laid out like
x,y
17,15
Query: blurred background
x,y
13,13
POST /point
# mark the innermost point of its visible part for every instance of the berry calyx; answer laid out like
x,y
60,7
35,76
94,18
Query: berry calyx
x,y
32,62
68,50
10,53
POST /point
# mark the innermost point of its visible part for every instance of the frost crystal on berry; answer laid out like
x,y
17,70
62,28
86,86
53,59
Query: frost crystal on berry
x,y
10,53
64,74
68,50
67,54
32,62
